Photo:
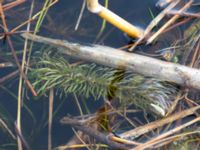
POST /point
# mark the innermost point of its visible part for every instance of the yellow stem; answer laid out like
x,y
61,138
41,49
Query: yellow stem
x,y
114,19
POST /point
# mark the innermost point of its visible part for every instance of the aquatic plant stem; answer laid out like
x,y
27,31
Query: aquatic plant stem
x,y
19,143
40,14
103,25
80,15
33,17
43,14
133,31
20,87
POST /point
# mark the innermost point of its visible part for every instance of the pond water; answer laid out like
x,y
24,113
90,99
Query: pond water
x,y
59,23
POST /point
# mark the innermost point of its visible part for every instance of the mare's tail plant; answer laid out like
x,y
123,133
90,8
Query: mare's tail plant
x,y
90,80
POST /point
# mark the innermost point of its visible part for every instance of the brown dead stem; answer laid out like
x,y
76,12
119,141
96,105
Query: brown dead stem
x,y
157,139
14,53
159,123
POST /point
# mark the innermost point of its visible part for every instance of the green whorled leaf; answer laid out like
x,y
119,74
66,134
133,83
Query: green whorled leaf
x,y
97,81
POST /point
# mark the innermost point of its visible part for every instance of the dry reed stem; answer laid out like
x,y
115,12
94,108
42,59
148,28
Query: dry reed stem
x,y
19,143
8,76
124,141
14,53
160,137
175,103
80,15
177,24
153,23
12,4
32,18
173,138
79,136
51,99
167,24
184,14
78,146
159,123
194,57
4,125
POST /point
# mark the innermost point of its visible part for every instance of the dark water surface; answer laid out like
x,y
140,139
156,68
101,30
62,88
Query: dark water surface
x,y
59,23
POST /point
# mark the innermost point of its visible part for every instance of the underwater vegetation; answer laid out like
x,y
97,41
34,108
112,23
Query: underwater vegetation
x,y
54,71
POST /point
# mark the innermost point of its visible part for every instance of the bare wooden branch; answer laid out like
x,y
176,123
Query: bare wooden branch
x,y
94,133
111,57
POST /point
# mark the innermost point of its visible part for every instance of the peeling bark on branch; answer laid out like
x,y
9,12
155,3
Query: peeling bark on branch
x,y
179,74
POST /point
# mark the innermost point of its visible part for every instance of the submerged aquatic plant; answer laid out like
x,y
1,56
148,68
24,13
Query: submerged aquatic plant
x,y
54,71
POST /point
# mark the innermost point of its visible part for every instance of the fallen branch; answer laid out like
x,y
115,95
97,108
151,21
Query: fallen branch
x,y
179,74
